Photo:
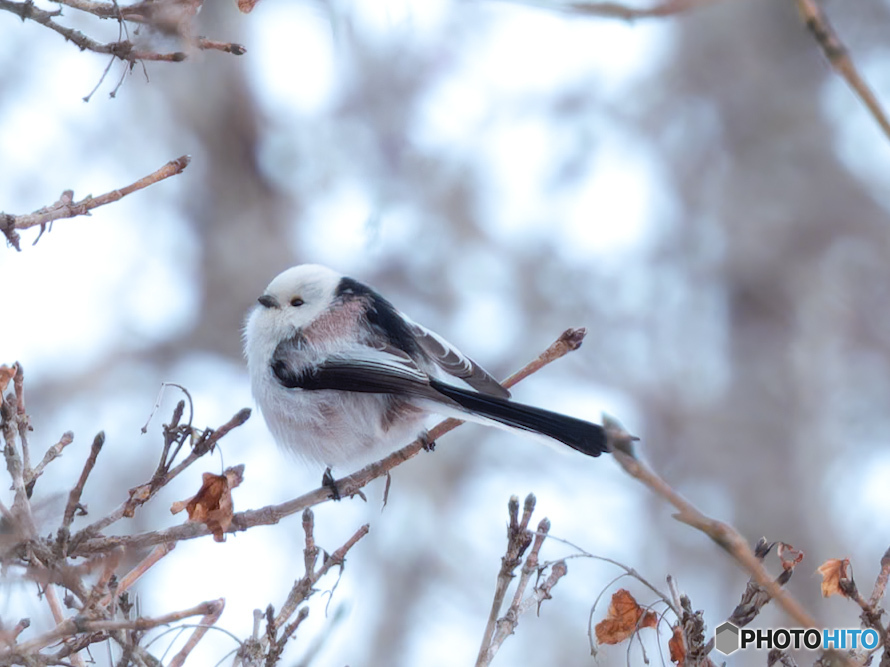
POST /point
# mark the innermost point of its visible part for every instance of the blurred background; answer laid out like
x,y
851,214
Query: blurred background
x,y
701,192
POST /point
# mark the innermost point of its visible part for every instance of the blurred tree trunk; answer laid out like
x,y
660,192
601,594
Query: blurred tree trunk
x,y
244,222
782,201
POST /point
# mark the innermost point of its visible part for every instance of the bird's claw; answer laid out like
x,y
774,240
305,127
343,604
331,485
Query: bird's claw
x,y
327,481
428,444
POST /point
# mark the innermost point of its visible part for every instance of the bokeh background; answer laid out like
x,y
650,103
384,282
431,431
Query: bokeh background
x,y
701,192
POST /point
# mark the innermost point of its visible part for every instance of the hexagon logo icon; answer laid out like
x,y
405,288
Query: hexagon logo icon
x,y
726,638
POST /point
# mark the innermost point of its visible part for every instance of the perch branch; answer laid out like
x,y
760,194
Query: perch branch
x,y
84,543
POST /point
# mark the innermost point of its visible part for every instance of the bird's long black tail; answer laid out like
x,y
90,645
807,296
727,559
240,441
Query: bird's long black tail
x,y
578,434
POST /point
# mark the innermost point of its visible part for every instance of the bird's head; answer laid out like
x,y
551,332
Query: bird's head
x,y
293,300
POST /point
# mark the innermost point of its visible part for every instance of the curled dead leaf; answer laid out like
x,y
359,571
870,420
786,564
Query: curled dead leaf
x,y
213,505
789,556
623,619
677,646
833,571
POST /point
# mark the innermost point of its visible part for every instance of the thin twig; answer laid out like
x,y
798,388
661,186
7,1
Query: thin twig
x,y
506,625
756,596
56,609
518,540
871,614
618,10
66,208
208,621
18,382
139,570
21,505
77,491
51,454
214,45
881,582
302,589
839,58
144,492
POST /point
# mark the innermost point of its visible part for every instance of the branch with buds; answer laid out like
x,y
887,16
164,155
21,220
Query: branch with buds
x,y
171,18
66,207
103,608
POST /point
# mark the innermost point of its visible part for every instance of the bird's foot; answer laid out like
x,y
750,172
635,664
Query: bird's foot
x,y
428,444
327,481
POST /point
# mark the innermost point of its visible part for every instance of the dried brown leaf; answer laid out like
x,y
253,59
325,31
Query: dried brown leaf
x,y
677,646
789,556
623,619
213,505
246,6
833,571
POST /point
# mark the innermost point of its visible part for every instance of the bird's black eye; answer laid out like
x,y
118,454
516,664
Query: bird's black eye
x,y
296,302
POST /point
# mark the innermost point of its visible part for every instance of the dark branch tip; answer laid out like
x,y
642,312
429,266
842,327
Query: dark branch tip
x,y
573,337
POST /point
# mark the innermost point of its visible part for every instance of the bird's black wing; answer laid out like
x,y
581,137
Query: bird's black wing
x,y
364,370
402,333
391,371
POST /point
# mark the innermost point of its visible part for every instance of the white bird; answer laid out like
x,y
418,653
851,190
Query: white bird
x,y
341,376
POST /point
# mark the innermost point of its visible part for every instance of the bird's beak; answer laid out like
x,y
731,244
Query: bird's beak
x,y
269,301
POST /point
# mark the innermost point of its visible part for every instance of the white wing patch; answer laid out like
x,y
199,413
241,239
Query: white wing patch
x,y
451,360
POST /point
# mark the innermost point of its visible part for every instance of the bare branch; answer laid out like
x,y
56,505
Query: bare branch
x,y
148,13
21,507
617,10
267,649
77,491
51,454
80,625
302,588
836,53
140,569
162,476
204,625
227,47
881,582
519,537
67,208
727,537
